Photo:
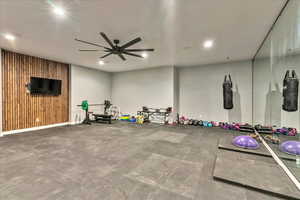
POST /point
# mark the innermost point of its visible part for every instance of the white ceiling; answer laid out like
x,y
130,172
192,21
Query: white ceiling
x,y
175,28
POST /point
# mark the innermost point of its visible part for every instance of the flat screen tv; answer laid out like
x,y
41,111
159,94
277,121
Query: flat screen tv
x,y
45,86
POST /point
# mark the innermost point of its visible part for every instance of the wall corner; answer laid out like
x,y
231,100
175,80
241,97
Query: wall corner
x,y
1,122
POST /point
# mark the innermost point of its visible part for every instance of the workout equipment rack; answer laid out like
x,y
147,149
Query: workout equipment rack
x,y
156,115
98,117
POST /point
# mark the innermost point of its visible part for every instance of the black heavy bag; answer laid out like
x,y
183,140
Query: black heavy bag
x,y
290,92
227,93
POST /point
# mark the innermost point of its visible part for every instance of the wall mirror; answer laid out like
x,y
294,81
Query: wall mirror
x,y
276,73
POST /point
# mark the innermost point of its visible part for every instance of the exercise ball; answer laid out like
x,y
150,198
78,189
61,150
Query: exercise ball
x,y
245,142
290,147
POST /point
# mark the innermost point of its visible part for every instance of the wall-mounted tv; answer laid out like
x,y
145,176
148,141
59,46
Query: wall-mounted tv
x,y
45,86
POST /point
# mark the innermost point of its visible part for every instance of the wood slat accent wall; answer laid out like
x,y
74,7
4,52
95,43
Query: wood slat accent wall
x,y
20,108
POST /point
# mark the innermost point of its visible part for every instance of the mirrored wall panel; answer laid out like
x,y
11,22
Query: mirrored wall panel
x,y
276,73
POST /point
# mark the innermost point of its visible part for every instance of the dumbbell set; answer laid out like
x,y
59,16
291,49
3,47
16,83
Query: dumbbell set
x,y
247,128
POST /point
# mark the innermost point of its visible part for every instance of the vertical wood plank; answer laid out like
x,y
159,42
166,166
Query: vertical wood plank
x,y
20,109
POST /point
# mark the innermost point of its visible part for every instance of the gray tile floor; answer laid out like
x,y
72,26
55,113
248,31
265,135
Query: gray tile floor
x,y
119,161
239,167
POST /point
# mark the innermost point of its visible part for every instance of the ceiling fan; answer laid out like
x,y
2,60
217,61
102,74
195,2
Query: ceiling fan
x,y
114,47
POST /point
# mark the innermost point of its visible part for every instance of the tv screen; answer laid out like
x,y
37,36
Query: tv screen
x,y
45,86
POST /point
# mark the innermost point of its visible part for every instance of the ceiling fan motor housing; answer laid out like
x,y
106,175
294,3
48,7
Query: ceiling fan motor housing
x,y
116,41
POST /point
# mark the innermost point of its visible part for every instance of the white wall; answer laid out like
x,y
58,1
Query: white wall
x,y
1,93
149,87
201,94
88,84
262,87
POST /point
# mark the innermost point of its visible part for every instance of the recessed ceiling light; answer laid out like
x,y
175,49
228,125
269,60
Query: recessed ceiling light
x,y
9,37
145,55
208,44
101,62
59,11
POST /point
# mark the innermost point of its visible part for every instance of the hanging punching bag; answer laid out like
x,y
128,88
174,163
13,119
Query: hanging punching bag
x,y
227,93
290,92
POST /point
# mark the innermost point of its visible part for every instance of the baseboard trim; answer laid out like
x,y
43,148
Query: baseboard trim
x,y
75,123
35,128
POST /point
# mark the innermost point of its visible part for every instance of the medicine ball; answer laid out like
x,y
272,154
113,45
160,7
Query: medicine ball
x,y
200,123
196,122
209,124
227,93
290,92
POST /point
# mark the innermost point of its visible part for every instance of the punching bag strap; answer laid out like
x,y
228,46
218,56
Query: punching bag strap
x,y
225,79
294,75
230,80
287,75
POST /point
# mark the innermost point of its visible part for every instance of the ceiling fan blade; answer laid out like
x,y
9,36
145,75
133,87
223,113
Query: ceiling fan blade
x,y
107,39
132,54
88,50
137,50
106,55
97,45
122,57
132,42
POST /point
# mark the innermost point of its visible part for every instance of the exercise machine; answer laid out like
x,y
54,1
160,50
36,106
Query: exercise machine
x,y
106,117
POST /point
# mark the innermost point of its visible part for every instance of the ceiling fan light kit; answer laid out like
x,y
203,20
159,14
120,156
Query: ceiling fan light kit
x,y
115,49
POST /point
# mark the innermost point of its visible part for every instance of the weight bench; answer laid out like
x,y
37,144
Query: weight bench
x,y
102,118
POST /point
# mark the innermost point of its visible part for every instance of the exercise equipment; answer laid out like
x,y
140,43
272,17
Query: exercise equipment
x,y
207,124
227,93
155,115
235,126
264,129
247,128
246,142
132,119
224,125
215,124
255,136
290,92
200,123
195,122
115,112
125,118
181,120
106,118
140,119
290,147
97,117
85,107
287,131
272,138
228,126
